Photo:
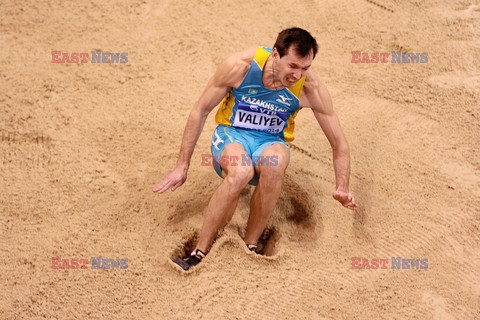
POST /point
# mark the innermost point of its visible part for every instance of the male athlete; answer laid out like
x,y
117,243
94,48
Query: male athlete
x,y
260,90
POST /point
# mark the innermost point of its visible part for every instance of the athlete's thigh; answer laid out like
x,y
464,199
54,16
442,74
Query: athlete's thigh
x,y
274,157
234,157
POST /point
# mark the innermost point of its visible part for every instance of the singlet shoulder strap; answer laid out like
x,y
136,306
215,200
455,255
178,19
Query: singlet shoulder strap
x,y
261,57
296,89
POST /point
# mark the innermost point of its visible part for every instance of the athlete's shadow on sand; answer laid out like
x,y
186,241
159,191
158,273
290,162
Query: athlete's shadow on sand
x,y
194,202
295,214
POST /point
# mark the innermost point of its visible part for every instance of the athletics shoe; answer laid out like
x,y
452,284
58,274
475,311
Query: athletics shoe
x,y
194,259
252,247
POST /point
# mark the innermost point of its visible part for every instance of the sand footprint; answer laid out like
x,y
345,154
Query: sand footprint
x,y
268,242
184,249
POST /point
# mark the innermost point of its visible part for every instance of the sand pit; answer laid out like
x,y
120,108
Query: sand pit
x,y
83,143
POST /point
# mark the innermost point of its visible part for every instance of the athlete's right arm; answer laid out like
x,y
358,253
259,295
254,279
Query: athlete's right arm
x,y
225,78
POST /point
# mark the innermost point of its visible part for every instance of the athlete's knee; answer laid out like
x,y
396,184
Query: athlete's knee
x,y
275,156
279,162
271,178
275,163
238,177
273,174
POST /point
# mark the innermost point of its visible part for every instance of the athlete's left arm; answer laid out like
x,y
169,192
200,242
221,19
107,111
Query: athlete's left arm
x,y
316,96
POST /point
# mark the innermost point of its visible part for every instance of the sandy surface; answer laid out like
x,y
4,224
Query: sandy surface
x,y
82,144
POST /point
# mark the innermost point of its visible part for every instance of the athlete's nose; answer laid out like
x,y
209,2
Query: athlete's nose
x,y
297,75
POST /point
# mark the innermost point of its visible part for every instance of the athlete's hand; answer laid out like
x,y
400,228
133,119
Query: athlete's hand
x,y
345,198
172,181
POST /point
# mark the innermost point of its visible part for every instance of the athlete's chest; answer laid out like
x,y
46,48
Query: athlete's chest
x,y
264,99
264,110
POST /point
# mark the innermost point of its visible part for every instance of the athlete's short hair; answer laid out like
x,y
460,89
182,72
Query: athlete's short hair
x,y
300,38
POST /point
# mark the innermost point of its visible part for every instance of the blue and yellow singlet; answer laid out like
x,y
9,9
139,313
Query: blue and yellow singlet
x,y
252,106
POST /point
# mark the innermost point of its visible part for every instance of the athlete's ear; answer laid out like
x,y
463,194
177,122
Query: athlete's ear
x,y
275,53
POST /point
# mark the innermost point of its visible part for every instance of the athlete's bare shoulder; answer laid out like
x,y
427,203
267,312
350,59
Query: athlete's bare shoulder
x,y
311,82
314,91
234,68
247,55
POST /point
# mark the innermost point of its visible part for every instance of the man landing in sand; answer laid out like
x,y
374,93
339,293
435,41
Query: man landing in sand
x,y
260,90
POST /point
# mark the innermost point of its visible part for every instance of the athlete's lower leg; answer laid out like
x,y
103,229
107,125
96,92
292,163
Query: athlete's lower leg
x,y
266,193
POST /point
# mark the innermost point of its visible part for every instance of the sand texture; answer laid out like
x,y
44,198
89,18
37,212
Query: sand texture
x,y
82,144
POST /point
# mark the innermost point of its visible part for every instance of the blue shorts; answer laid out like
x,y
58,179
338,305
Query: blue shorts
x,y
252,141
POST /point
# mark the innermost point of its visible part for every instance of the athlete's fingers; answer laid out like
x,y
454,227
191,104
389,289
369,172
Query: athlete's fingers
x,y
164,186
158,189
158,186
350,204
178,184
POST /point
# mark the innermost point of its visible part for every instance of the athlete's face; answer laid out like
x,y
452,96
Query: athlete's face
x,y
291,67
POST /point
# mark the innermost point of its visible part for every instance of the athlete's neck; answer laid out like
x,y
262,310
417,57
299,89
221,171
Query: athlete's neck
x,y
270,75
